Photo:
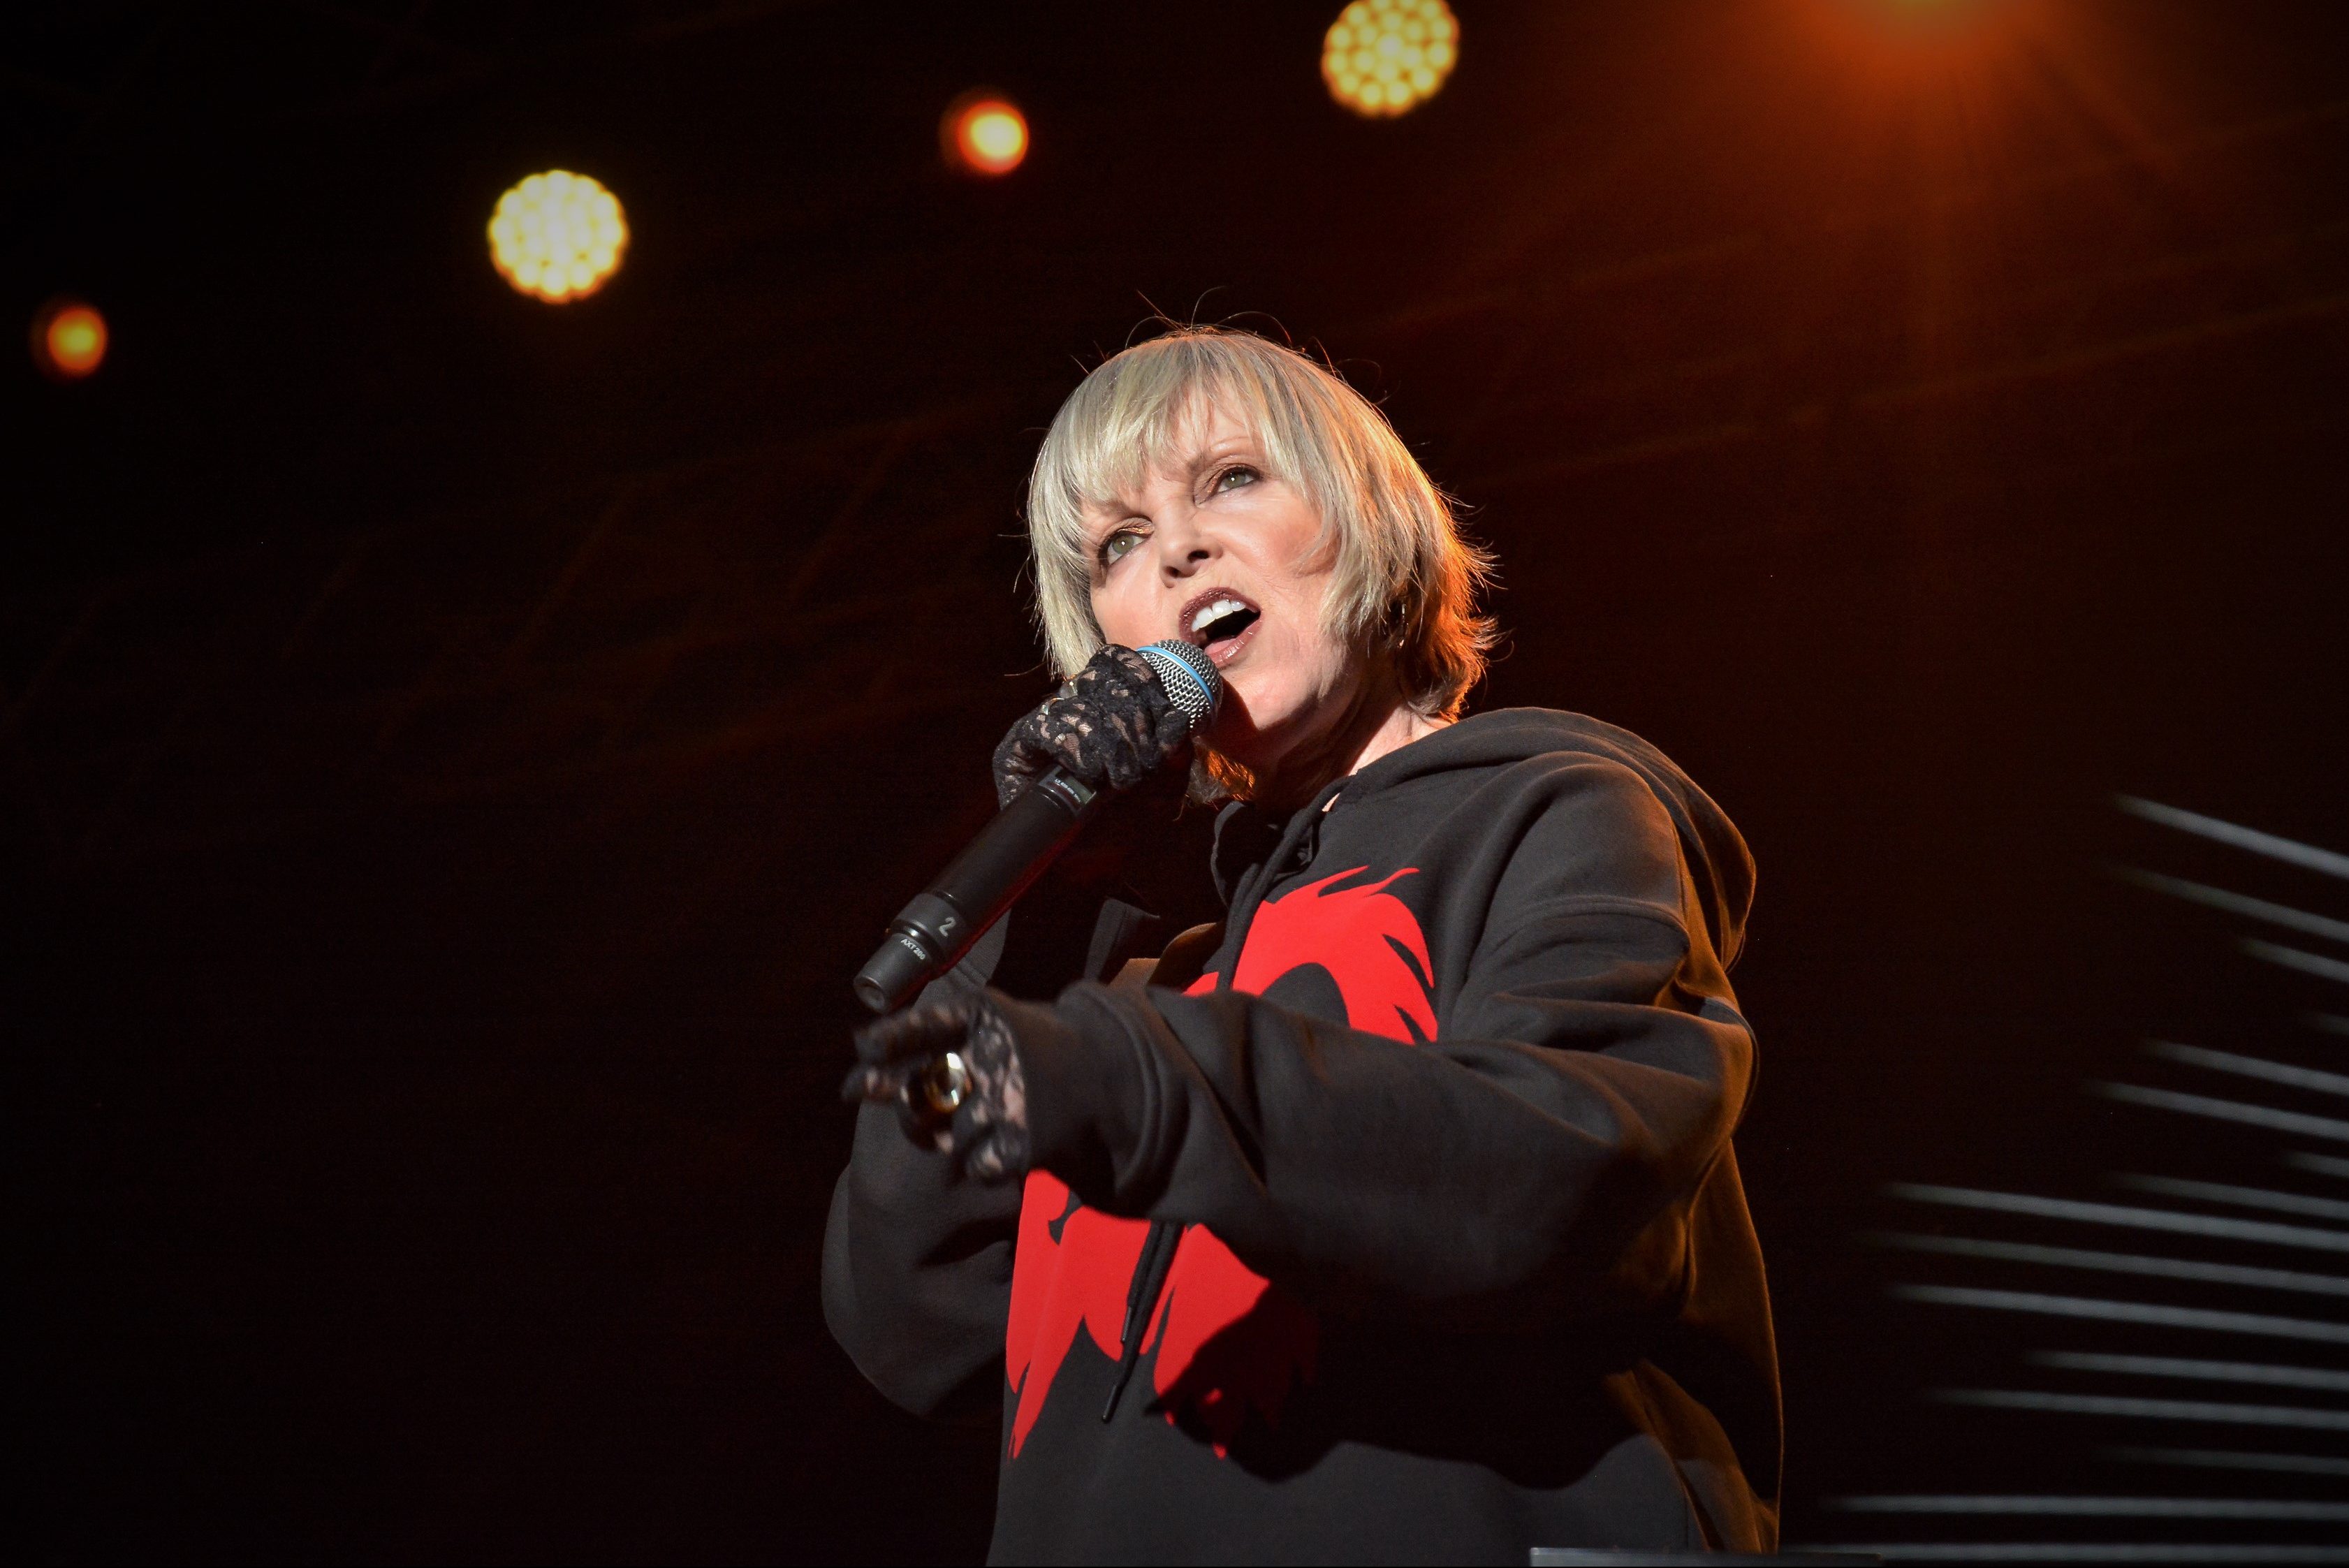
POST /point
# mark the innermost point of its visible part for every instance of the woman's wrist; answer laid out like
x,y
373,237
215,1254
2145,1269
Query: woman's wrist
x,y
1083,1088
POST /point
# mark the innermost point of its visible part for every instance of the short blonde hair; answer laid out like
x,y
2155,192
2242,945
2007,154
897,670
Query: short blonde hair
x,y
1405,580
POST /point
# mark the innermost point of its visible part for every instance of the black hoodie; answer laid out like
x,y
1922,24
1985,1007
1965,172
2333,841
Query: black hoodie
x,y
1408,1229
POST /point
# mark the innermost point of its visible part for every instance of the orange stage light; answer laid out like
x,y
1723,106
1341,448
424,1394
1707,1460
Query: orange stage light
x,y
557,236
1381,57
985,133
68,340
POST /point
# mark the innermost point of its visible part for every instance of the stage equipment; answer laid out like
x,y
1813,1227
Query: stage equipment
x,y
1381,57
68,339
984,132
931,934
557,236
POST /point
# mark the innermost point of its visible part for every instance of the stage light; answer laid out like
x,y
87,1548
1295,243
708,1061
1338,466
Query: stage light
x,y
984,133
1381,57
68,339
557,236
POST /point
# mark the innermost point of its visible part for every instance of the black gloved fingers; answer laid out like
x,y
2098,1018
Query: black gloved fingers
x,y
965,1133
904,1088
866,1083
952,1071
914,1034
1106,725
893,1054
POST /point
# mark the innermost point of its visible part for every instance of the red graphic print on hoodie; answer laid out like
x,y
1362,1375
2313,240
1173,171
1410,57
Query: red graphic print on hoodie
x,y
1226,1340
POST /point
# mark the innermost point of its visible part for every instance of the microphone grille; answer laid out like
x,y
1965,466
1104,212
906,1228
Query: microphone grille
x,y
1192,681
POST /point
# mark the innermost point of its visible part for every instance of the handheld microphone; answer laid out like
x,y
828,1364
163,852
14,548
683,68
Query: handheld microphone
x,y
931,935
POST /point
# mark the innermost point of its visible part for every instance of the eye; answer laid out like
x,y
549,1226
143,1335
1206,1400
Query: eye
x,y
1119,545
1234,477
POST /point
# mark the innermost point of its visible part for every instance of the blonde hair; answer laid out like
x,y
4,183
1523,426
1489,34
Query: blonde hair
x,y
1405,581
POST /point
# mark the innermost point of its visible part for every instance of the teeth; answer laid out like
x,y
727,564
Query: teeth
x,y
1215,612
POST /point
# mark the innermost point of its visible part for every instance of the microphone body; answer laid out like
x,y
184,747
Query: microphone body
x,y
931,933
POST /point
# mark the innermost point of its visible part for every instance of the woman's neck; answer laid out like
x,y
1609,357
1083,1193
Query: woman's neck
x,y
1378,721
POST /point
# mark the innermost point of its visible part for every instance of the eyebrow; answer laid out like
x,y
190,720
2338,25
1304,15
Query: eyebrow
x,y
1116,512
1215,451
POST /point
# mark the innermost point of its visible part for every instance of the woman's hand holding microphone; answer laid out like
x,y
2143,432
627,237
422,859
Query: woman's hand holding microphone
x,y
1111,724
952,1068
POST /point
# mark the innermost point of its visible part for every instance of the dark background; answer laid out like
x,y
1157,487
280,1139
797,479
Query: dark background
x,y
453,750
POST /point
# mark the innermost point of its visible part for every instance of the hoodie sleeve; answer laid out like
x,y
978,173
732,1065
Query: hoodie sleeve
x,y
1544,1153
917,1261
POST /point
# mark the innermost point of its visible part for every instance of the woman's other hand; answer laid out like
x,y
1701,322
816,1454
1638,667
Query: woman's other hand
x,y
952,1071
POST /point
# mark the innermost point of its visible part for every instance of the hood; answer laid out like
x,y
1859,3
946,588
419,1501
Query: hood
x,y
1716,853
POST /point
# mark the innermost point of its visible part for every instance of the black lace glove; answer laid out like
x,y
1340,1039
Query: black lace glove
x,y
952,1070
1112,723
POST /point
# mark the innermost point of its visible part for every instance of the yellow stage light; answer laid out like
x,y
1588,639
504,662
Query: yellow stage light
x,y
1381,57
985,133
557,236
68,339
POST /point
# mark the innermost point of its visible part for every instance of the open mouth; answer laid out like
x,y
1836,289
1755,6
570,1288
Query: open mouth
x,y
1219,622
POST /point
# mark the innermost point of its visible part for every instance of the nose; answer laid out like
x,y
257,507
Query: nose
x,y
1182,544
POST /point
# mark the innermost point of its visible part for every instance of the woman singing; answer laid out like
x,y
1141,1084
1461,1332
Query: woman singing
x,y
1394,1218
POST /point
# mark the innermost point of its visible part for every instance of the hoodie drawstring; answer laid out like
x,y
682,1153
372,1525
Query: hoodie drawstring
x,y
1150,1271
1157,1259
